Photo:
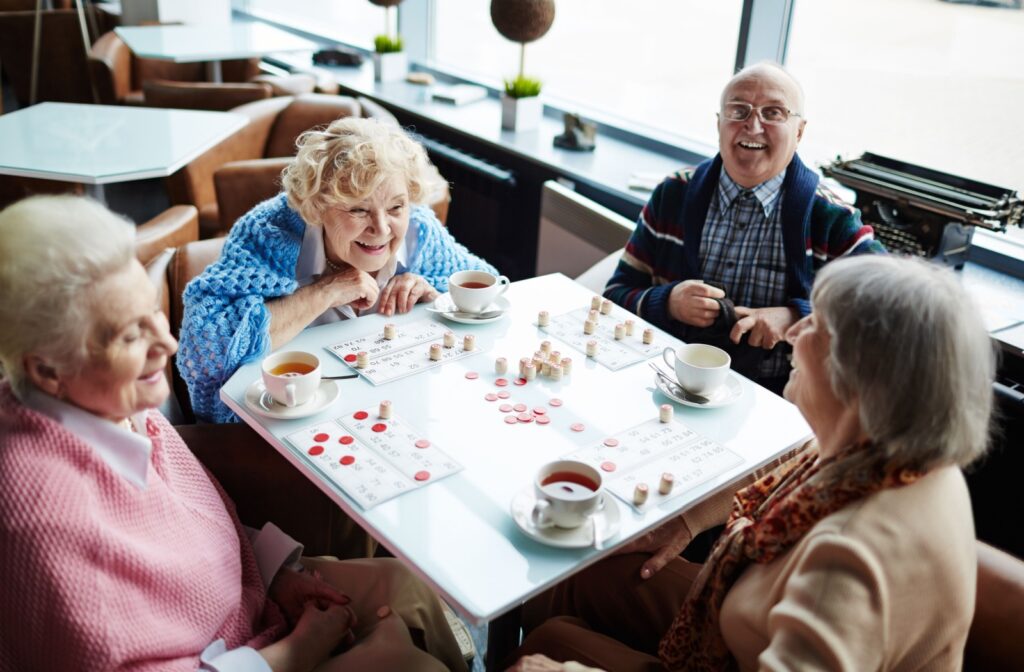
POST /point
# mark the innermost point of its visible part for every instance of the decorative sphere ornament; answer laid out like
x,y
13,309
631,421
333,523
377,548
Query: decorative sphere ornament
x,y
386,3
522,20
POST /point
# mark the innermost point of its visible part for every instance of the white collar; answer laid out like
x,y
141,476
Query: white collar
x,y
127,453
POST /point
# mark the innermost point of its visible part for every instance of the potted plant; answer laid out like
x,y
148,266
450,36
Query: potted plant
x,y
522,21
390,63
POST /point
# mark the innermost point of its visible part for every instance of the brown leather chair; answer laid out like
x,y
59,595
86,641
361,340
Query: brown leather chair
x,y
172,228
64,73
996,640
120,74
219,97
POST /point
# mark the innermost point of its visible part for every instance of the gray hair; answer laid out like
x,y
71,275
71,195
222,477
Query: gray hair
x,y
910,345
53,250
349,160
756,70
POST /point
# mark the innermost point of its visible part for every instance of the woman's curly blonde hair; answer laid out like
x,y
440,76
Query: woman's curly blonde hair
x,y
349,160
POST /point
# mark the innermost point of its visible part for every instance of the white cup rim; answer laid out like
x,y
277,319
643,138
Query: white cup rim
x,y
726,362
301,356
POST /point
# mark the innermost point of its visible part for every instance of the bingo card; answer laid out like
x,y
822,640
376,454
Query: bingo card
x,y
371,459
406,354
613,354
645,452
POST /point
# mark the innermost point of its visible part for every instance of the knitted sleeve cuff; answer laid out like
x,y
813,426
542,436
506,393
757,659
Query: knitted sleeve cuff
x,y
654,306
274,549
802,306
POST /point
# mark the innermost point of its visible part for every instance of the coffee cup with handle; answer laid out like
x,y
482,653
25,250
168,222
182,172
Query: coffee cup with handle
x,y
567,494
473,291
700,368
292,377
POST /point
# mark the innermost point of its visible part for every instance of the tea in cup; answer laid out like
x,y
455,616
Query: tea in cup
x,y
291,378
473,291
700,368
568,493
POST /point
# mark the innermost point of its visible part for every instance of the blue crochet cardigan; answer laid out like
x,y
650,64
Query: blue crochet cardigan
x,y
226,321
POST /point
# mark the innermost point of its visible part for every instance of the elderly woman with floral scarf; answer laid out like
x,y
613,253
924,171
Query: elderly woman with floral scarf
x,y
858,553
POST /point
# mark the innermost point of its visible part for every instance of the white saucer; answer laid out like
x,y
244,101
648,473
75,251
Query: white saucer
x,y
723,396
577,537
259,401
446,308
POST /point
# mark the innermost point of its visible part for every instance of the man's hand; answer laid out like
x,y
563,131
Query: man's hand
x,y
692,302
665,542
403,292
767,326
292,590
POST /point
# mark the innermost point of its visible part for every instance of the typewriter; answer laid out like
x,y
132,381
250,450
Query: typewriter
x,y
922,212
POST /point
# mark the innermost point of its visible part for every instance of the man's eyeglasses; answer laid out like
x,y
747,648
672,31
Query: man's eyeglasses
x,y
770,115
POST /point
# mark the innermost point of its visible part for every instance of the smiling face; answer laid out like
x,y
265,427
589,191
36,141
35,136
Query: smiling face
x,y
127,348
365,234
753,152
810,386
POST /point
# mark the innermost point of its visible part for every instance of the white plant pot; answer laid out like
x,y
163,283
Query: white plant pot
x,y
521,114
390,67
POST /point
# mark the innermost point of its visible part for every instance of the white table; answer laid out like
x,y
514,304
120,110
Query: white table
x,y
100,144
211,43
457,534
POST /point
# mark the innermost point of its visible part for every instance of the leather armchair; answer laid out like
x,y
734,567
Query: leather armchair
x,y
219,97
170,229
995,641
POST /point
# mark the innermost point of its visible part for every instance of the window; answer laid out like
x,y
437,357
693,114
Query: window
x,y
659,63
354,22
933,83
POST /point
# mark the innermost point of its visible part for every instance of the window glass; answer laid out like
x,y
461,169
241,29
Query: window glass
x,y
656,63
938,84
355,22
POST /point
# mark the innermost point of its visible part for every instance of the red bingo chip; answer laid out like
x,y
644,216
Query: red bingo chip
x,y
360,415
510,420
422,475
316,450
520,381
379,427
524,417
505,408
611,443
422,443
472,375
320,437
350,357
539,411
504,394
491,396
555,402
607,466
519,408
345,440
501,382
347,460
577,427
543,419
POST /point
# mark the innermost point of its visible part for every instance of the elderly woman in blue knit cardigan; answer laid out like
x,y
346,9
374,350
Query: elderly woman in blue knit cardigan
x,y
347,237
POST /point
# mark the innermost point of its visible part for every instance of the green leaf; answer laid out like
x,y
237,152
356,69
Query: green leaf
x,y
384,44
522,87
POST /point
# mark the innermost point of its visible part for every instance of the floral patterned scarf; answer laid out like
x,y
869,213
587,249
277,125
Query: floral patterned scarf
x,y
767,519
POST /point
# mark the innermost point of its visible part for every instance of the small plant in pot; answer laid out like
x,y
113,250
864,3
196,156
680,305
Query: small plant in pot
x,y
390,63
522,21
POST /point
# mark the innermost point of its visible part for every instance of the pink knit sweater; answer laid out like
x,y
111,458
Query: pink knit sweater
x,y
96,574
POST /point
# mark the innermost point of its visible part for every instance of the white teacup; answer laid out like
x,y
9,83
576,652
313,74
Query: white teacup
x,y
473,291
700,368
292,378
568,493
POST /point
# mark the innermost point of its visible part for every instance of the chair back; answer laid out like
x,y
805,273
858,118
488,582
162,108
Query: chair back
x,y
995,641
170,229
307,111
64,73
202,95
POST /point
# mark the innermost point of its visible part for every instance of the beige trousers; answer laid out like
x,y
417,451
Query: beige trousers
x,y
386,644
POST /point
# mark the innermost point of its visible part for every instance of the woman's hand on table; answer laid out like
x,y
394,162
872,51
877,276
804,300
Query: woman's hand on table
x,y
664,542
403,292
292,590
540,663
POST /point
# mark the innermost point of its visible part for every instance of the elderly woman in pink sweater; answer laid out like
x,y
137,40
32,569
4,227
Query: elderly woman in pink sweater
x,y
117,550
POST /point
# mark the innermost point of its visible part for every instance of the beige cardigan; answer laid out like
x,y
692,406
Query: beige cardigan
x,y
885,583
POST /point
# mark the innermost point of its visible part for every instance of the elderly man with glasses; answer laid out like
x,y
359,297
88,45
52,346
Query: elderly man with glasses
x,y
726,253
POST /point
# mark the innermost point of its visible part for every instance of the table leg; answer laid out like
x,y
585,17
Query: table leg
x,y
503,637
96,191
213,72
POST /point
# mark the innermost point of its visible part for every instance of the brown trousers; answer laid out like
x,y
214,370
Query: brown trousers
x,y
607,616
386,644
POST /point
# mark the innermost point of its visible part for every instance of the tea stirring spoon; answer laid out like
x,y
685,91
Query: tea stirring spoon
x,y
676,389
345,377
